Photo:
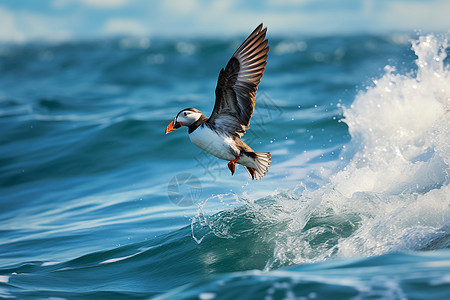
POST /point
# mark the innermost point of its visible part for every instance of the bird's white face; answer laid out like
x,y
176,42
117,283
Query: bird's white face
x,y
186,117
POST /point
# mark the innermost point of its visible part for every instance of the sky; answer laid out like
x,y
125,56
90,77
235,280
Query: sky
x,y
24,20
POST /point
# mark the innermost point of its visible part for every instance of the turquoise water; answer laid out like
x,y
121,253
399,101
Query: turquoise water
x,y
97,202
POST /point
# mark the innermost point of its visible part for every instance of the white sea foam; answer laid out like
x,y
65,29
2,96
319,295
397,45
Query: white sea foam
x,y
393,192
49,263
397,178
400,129
116,259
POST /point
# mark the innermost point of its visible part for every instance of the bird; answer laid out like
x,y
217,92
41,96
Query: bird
x,y
221,133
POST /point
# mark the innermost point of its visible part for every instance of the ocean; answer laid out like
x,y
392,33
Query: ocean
x,y
98,203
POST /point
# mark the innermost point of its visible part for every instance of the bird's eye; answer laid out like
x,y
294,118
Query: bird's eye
x,y
185,114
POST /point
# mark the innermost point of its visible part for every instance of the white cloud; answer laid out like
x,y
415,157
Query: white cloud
x,y
105,3
100,4
8,28
36,26
287,2
60,3
23,26
117,26
371,16
180,7
417,15
228,18
217,18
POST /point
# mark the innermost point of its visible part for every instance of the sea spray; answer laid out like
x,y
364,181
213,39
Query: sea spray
x,y
400,128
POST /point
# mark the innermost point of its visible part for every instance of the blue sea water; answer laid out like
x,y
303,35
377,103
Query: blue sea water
x,y
96,202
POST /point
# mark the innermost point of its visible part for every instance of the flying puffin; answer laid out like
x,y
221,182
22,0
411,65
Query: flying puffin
x,y
220,134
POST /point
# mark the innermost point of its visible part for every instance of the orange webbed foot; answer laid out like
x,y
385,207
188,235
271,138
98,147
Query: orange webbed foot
x,y
232,165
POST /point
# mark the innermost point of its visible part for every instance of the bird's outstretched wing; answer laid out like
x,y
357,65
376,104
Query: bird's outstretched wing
x,y
238,83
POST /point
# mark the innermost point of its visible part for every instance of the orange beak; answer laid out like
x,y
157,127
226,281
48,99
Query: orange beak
x,y
173,126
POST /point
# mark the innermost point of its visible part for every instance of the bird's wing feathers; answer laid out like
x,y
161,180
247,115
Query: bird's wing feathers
x,y
238,83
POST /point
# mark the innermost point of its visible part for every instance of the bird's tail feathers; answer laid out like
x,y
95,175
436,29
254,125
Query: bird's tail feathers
x,y
262,160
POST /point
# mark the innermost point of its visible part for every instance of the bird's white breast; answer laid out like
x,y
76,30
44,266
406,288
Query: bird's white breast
x,y
218,145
